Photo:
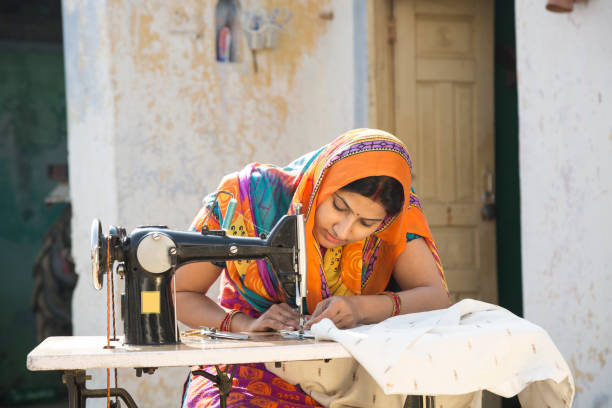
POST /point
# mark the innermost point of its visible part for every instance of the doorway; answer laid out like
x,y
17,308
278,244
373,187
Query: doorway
x,y
437,70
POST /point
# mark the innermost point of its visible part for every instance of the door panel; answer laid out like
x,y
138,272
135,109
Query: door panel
x,y
443,77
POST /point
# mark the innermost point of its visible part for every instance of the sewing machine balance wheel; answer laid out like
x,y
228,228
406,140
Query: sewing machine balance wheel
x,y
98,254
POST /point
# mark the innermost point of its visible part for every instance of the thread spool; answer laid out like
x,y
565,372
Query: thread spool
x,y
229,214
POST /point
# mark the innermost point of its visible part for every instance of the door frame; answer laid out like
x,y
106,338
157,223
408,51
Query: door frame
x,y
381,40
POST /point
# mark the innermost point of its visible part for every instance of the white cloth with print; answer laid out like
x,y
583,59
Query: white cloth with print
x,y
454,353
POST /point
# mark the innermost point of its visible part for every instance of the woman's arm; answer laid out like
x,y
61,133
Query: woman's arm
x,y
416,273
193,307
196,309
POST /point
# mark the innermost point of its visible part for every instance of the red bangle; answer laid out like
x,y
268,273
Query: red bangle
x,y
397,302
226,323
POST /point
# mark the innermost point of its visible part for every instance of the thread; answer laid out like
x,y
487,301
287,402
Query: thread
x,y
108,273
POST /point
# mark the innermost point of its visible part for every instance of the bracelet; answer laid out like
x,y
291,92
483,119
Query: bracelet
x,y
397,302
226,323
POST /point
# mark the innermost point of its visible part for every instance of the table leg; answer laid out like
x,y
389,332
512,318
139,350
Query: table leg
x,y
419,401
78,392
221,380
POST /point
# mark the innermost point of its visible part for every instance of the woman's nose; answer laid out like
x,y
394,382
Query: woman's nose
x,y
342,228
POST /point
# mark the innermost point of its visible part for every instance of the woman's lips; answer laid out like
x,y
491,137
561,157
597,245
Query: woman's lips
x,y
331,238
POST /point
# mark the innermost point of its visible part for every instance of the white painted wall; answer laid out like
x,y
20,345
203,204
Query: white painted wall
x,y
565,94
154,121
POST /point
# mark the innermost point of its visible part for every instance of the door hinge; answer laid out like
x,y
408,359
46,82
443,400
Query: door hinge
x,y
391,31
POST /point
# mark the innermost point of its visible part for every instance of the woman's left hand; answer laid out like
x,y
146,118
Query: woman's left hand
x,y
342,310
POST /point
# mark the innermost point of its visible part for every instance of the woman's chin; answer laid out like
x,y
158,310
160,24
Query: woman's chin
x,y
327,245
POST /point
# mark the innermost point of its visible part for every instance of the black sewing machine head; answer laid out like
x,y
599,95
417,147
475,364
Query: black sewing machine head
x,y
148,257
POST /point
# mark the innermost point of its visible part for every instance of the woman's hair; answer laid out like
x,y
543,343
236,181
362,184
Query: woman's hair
x,y
387,190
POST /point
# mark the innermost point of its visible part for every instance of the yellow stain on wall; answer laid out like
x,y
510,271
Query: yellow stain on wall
x,y
173,43
150,51
581,378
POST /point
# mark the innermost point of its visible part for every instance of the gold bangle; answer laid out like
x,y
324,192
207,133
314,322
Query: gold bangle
x,y
226,324
232,314
397,302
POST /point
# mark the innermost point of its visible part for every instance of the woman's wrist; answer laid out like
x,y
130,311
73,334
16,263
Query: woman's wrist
x,y
226,323
396,302
241,323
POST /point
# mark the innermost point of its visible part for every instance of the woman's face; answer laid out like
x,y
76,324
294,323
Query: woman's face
x,y
346,217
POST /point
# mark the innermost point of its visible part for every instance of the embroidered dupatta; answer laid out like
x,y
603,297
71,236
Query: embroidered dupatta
x,y
266,192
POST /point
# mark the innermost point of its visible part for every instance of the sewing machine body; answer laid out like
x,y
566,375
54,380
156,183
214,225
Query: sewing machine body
x,y
148,257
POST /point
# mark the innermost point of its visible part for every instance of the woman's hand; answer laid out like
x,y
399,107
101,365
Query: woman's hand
x,y
279,316
342,310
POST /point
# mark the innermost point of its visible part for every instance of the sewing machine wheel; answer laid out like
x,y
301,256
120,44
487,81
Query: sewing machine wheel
x,y
98,254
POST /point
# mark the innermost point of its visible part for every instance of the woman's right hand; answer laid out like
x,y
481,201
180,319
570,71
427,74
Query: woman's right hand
x,y
279,316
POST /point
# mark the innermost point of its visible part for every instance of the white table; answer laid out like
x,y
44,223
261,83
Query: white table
x,y
75,354
88,352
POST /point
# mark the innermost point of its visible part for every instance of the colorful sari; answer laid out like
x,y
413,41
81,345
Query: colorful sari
x,y
264,194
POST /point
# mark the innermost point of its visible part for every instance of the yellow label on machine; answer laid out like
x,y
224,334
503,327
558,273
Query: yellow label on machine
x,y
149,302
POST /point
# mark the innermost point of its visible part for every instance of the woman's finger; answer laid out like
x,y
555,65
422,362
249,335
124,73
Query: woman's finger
x,y
345,322
289,322
327,311
287,317
321,307
288,309
277,324
284,310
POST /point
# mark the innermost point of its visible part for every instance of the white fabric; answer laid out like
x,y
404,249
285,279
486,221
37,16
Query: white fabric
x,y
469,347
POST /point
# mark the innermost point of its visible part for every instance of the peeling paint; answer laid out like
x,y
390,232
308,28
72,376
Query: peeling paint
x,y
225,91
579,375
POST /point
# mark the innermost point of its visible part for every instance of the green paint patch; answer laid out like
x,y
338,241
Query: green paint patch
x,y
33,136
23,396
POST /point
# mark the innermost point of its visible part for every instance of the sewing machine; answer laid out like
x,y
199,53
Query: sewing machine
x,y
148,257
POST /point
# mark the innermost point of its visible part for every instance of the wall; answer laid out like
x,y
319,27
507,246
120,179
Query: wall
x,y
565,101
155,121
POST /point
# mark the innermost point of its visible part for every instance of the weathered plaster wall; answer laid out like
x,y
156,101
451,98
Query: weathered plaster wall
x,y
565,102
155,121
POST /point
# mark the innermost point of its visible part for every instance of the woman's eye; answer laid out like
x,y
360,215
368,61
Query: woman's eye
x,y
367,224
337,206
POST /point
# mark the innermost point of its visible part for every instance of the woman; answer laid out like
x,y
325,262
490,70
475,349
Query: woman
x,y
364,228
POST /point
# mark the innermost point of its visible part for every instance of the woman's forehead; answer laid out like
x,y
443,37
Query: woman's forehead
x,y
362,206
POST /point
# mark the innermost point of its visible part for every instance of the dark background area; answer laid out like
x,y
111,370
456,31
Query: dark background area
x,y
507,189
507,160
32,137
